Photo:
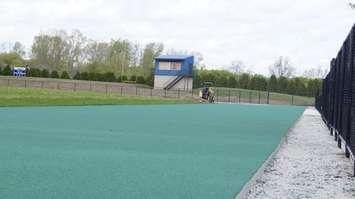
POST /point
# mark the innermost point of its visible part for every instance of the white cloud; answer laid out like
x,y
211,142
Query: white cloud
x,y
309,32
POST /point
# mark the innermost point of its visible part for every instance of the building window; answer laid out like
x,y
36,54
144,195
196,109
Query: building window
x,y
170,65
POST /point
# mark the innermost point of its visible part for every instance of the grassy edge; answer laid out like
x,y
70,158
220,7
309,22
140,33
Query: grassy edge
x,y
29,97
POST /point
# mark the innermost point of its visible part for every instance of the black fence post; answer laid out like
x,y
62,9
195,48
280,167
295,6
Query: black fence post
x,y
259,98
240,95
291,99
268,97
121,90
217,95
250,97
151,92
165,92
229,95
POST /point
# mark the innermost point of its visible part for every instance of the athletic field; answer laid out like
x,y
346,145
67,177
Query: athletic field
x,y
150,151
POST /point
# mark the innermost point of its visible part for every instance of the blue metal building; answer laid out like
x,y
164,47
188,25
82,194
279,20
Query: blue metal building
x,y
174,72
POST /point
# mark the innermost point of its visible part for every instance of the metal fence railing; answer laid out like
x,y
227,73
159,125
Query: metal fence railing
x,y
260,97
223,95
336,101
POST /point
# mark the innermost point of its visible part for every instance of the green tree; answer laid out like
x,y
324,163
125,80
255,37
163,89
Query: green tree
x,y
273,84
244,80
232,82
282,84
150,52
34,72
7,71
11,59
119,56
140,80
133,78
54,74
77,75
19,49
109,77
64,75
44,73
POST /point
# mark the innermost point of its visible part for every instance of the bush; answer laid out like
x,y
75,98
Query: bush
x,y
109,77
92,76
44,73
7,71
150,80
140,80
64,75
84,76
77,76
118,79
123,78
133,78
34,72
54,74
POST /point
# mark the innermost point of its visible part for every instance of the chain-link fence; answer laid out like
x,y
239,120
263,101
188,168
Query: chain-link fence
x,y
222,95
336,103
260,97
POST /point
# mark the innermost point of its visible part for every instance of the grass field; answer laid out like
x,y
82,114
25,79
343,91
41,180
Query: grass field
x,y
252,96
167,151
11,96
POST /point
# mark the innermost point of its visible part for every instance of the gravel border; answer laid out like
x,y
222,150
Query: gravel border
x,y
307,164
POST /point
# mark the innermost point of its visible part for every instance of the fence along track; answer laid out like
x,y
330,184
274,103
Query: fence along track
x,y
222,94
336,102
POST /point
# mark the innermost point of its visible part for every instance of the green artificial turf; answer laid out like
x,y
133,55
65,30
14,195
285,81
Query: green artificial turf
x,y
128,152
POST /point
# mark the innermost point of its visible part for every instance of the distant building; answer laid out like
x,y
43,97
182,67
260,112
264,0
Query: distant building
x,y
19,71
174,72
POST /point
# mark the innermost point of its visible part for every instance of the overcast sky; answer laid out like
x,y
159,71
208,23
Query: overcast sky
x,y
309,32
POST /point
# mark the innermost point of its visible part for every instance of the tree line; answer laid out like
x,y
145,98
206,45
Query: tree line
x,y
295,86
74,56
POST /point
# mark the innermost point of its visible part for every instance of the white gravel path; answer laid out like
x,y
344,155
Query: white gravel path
x,y
307,165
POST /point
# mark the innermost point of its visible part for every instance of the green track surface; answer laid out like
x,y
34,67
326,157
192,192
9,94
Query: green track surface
x,y
152,151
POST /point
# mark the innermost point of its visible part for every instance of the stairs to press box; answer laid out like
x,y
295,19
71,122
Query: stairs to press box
x,y
174,82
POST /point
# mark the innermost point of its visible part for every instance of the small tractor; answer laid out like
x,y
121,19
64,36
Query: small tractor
x,y
206,93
